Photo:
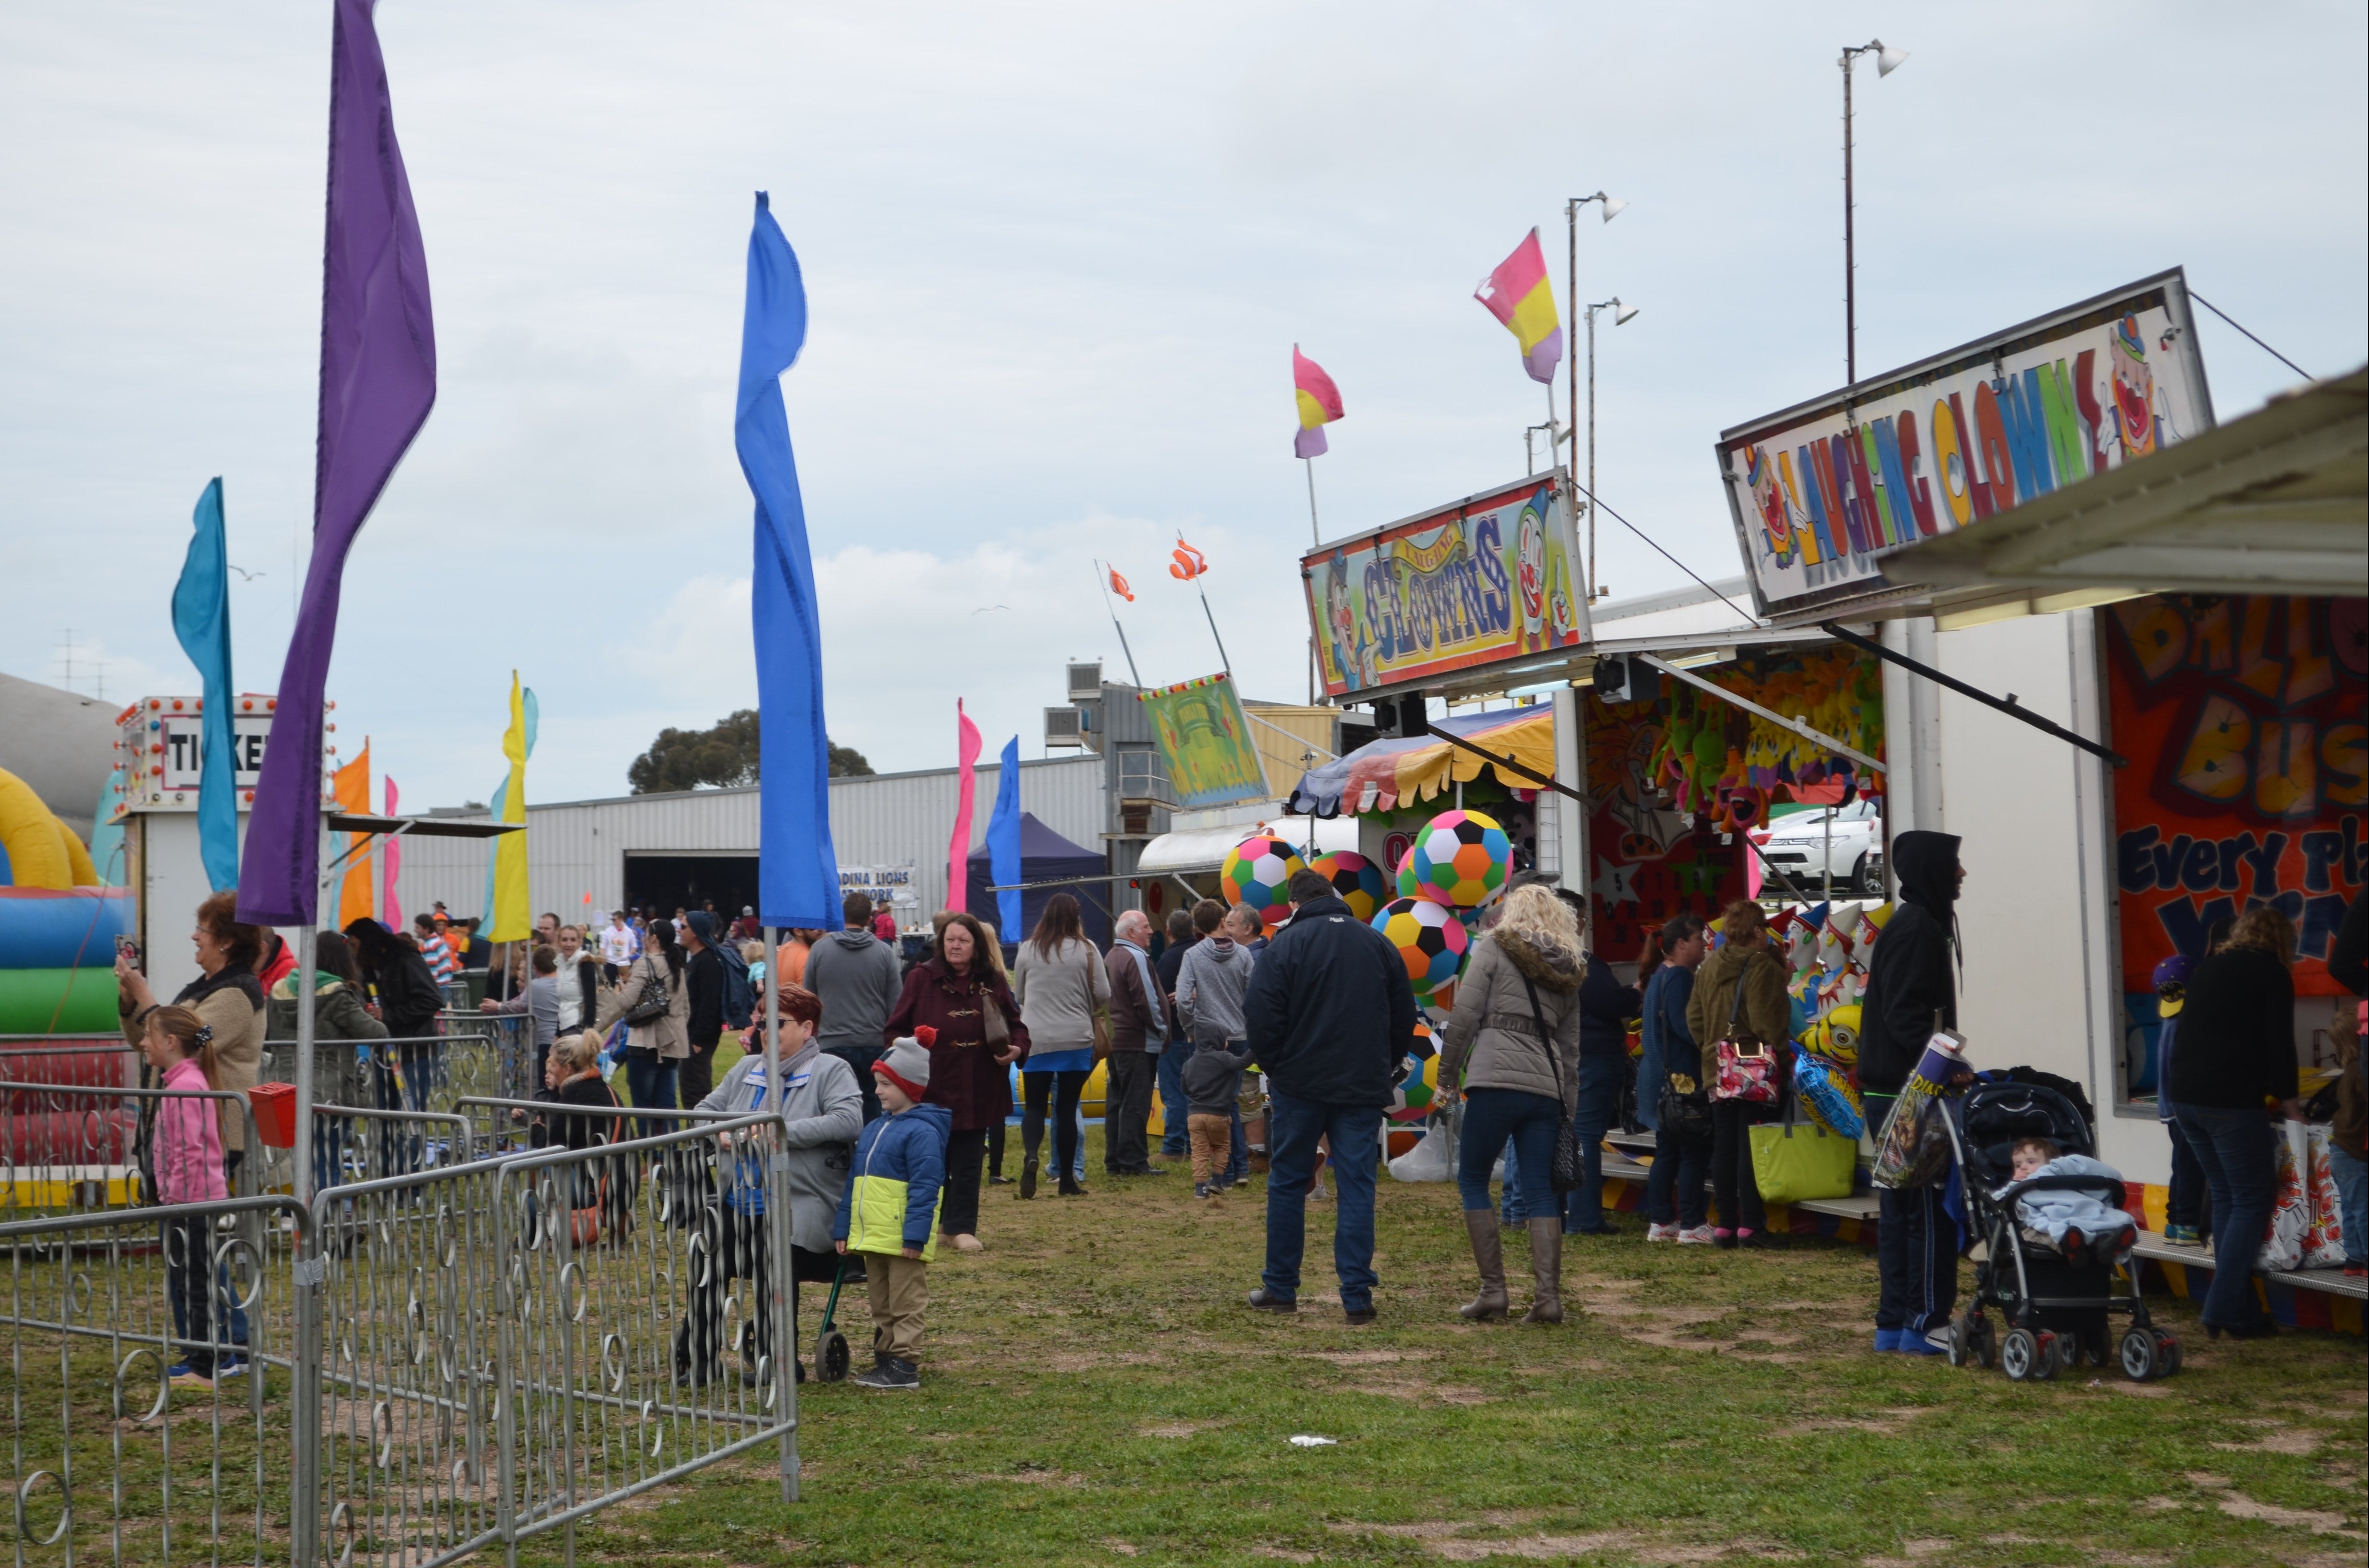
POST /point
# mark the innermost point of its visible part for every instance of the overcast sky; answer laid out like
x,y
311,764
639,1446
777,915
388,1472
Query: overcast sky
x,y
1057,255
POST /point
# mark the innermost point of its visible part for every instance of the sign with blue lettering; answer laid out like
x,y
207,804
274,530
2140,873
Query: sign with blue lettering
x,y
1489,580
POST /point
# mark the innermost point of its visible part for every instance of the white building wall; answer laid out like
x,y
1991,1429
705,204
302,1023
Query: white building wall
x,y
2036,916
580,848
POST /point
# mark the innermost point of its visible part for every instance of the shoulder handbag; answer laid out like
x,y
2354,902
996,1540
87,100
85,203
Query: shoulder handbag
x,y
1746,1063
997,1028
1102,1013
652,1005
1685,1114
1570,1166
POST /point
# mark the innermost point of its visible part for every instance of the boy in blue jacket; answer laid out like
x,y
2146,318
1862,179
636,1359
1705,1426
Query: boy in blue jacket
x,y
889,1211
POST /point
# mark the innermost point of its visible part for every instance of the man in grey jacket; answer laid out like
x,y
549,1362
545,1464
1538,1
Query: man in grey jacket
x,y
857,977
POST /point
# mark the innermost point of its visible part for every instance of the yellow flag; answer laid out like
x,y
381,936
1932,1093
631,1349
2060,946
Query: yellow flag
x,y
511,920
354,796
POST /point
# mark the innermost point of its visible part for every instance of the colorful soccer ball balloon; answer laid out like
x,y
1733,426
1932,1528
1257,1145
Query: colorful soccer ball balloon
x,y
1403,878
1255,874
1429,938
1357,880
1460,858
1412,1100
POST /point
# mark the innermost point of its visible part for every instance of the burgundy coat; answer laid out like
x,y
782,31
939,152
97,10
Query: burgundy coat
x,y
965,1076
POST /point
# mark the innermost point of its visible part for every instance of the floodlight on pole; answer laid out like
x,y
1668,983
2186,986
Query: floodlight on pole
x,y
1620,314
1610,207
1887,60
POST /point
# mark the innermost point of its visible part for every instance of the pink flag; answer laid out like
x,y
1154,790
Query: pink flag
x,y
394,856
959,854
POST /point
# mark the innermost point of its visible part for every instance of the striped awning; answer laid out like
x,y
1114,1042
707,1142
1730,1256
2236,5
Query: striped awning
x,y
1387,773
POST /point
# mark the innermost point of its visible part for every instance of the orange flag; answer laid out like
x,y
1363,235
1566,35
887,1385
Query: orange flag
x,y
354,900
1119,585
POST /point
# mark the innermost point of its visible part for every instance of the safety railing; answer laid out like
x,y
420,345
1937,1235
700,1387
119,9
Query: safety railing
x,y
139,1427
67,1147
501,1127
511,1344
426,1361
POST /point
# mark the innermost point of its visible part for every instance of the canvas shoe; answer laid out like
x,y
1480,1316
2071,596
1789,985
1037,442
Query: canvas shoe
x,y
2182,1235
1700,1236
889,1373
1662,1233
188,1379
1201,1189
1887,1339
1915,1343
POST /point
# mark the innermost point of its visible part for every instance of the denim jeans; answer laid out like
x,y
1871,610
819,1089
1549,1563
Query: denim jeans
x,y
1238,1164
2239,1154
2352,1200
2184,1203
1173,1104
1293,1128
650,1080
1600,1079
1492,1116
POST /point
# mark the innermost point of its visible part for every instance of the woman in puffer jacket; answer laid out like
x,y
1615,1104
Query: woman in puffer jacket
x,y
1511,1048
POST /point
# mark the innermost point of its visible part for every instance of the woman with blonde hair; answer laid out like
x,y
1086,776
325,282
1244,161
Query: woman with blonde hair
x,y
2237,1051
1511,1049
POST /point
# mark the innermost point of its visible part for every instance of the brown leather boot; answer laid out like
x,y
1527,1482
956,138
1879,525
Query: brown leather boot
x,y
1489,1257
1546,1271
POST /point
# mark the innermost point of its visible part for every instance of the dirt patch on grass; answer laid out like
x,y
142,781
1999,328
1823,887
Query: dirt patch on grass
x,y
1367,1358
2280,1440
1884,1422
2238,1506
1453,1540
1177,1428
1421,1391
1911,1554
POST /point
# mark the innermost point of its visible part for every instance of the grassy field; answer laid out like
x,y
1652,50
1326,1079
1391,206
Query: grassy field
x,y
1096,1391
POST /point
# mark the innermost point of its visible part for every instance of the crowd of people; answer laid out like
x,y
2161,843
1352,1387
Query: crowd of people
x,y
897,1076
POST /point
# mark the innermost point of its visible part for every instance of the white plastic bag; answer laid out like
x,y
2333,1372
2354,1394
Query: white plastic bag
x,y
1426,1161
2323,1241
2283,1237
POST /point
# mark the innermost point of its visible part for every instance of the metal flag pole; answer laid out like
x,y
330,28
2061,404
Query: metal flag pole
x,y
1313,536
777,1217
1101,581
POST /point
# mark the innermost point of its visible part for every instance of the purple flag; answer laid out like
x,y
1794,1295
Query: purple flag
x,y
378,382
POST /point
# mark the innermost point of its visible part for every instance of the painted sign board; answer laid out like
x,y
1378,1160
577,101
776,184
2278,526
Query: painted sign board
x,y
161,744
889,886
1206,741
1823,491
1489,581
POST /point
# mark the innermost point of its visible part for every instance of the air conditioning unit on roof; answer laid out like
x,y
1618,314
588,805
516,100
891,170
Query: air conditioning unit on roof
x,y
1062,728
1085,681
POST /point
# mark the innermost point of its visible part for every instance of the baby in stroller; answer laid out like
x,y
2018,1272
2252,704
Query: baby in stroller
x,y
2074,1221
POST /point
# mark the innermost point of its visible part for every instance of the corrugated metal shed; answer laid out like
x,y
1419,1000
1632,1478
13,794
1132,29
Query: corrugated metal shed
x,y
579,847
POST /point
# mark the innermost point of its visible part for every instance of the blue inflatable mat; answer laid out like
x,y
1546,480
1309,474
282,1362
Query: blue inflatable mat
x,y
41,929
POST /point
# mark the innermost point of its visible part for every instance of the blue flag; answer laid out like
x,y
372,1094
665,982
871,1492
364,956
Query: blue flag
x,y
1004,842
201,619
797,873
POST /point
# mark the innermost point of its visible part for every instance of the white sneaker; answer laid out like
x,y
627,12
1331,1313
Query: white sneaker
x,y
1662,1233
1700,1236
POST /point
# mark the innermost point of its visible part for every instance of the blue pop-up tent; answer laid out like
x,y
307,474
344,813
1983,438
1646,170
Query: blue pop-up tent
x,y
1046,857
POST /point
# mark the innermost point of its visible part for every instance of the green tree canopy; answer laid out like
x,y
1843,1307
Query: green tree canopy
x,y
718,757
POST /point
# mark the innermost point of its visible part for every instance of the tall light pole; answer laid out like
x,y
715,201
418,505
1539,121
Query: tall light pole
x,y
1610,206
1622,315
1887,60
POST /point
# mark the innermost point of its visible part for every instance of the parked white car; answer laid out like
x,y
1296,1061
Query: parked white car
x,y
1799,846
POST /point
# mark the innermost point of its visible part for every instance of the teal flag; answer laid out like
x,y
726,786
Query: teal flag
x,y
201,619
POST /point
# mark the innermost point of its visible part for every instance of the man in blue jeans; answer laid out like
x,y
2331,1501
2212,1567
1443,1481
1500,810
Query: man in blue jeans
x,y
1685,941
1330,1016
1169,1077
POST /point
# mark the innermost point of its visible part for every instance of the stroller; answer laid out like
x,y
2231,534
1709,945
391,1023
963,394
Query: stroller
x,y
2056,1309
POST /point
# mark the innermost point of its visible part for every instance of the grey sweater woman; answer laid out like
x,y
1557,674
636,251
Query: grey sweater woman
x,y
1058,996
1492,1037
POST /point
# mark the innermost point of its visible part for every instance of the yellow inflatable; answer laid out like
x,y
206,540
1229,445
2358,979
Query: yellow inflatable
x,y
36,840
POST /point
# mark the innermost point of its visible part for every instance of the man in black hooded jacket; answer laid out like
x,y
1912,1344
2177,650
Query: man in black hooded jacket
x,y
1911,989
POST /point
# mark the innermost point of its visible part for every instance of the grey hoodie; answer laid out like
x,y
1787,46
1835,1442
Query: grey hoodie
x,y
856,975
1209,987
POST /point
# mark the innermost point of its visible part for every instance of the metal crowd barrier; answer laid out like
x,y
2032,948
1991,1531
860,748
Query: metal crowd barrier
x,y
106,1458
68,1148
443,1353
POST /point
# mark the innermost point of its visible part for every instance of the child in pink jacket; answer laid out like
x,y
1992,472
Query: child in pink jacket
x,y
187,1151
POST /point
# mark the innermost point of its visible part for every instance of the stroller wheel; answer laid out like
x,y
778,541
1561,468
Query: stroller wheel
x,y
1986,1344
2023,1357
2138,1356
831,1357
1960,1345
2166,1353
